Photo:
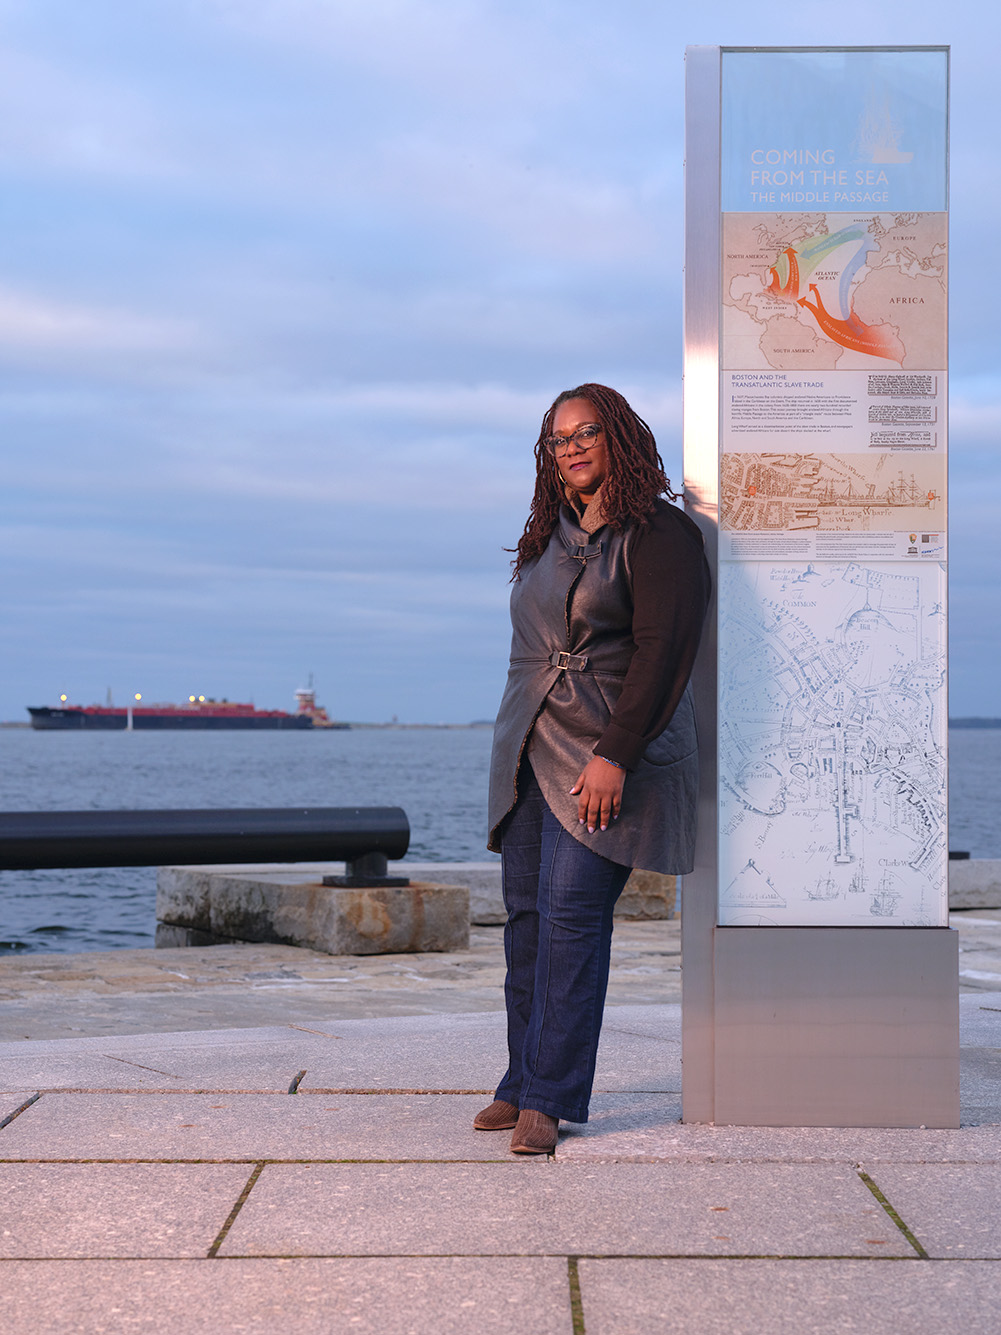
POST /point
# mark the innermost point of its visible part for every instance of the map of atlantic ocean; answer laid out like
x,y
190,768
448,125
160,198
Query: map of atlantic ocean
x,y
832,291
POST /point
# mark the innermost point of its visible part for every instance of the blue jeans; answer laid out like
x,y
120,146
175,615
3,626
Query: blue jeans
x,y
559,898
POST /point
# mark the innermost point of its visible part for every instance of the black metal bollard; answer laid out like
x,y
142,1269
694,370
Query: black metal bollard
x,y
35,839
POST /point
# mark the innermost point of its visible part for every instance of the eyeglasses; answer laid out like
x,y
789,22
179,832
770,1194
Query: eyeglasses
x,y
586,437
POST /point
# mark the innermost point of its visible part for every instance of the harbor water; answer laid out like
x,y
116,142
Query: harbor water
x,y
438,776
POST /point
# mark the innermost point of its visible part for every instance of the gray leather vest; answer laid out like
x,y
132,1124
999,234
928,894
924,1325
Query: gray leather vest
x,y
571,614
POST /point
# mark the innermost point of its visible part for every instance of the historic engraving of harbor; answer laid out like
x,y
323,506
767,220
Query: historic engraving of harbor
x,y
830,492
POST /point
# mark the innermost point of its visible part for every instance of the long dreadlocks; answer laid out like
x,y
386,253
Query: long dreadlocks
x,y
635,471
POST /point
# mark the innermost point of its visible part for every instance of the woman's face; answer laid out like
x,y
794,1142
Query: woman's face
x,y
584,470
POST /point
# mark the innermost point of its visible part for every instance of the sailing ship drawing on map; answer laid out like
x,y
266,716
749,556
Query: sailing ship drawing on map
x,y
825,889
885,900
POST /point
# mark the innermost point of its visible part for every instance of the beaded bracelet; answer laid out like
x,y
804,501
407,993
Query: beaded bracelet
x,y
611,762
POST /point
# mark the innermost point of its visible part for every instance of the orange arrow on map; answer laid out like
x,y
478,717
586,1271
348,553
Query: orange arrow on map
x,y
791,289
876,340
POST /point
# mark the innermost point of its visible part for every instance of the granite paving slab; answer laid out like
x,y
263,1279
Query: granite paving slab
x,y
460,1051
413,1052
639,1051
979,1084
144,1061
252,1127
84,1071
270,1068
9,1103
449,1296
954,1210
141,1042
236,1059
648,1127
383,1054
979,971
710,1297
258,1004
562,1208
79,1210
623,1126
471,1053
660,1022
979,1021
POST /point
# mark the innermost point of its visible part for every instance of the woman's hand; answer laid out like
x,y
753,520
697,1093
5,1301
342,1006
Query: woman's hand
x,y
600,793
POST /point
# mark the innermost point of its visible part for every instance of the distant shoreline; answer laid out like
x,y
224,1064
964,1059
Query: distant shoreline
x,y
488,723
399,727
438,727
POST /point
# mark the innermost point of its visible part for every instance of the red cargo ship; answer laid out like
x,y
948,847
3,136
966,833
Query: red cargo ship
x,y
197,713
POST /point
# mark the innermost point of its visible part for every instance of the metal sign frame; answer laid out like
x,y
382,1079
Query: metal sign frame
x,y
788,1025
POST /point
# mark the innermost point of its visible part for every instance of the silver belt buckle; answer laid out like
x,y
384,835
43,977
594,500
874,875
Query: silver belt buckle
x,y
569,662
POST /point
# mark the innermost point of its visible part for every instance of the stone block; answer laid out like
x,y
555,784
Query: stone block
x,y
975,883
195,898
367,1296
653,1209
202,906
188,893
417,917
243,1127
169,937
952,1208
115,1209
486,902
787,1297
648,894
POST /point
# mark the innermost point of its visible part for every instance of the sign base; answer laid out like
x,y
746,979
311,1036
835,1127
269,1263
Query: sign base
x,y
836,1026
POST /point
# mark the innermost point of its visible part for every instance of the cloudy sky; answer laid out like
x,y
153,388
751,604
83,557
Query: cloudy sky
x,y
285,286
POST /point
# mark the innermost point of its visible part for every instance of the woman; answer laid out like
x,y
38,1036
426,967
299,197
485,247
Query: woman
x,y
594,767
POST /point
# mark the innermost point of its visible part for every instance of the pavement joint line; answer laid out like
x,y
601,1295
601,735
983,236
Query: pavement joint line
x,y
635,1033
556,1256
109,1056
144,1089
317,1090
231,1218
576,1302
304,1029
18,1111
742,1256
248,1159
511,1256
206,1089
596,1162
893,1215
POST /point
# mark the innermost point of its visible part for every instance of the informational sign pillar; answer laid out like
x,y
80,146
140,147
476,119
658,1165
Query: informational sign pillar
x,y
821,976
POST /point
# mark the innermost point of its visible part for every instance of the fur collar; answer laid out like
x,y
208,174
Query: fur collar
x,y
592,516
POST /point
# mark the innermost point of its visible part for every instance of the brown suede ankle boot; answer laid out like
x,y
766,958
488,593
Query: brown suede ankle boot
x,y
500,1116
536,1133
